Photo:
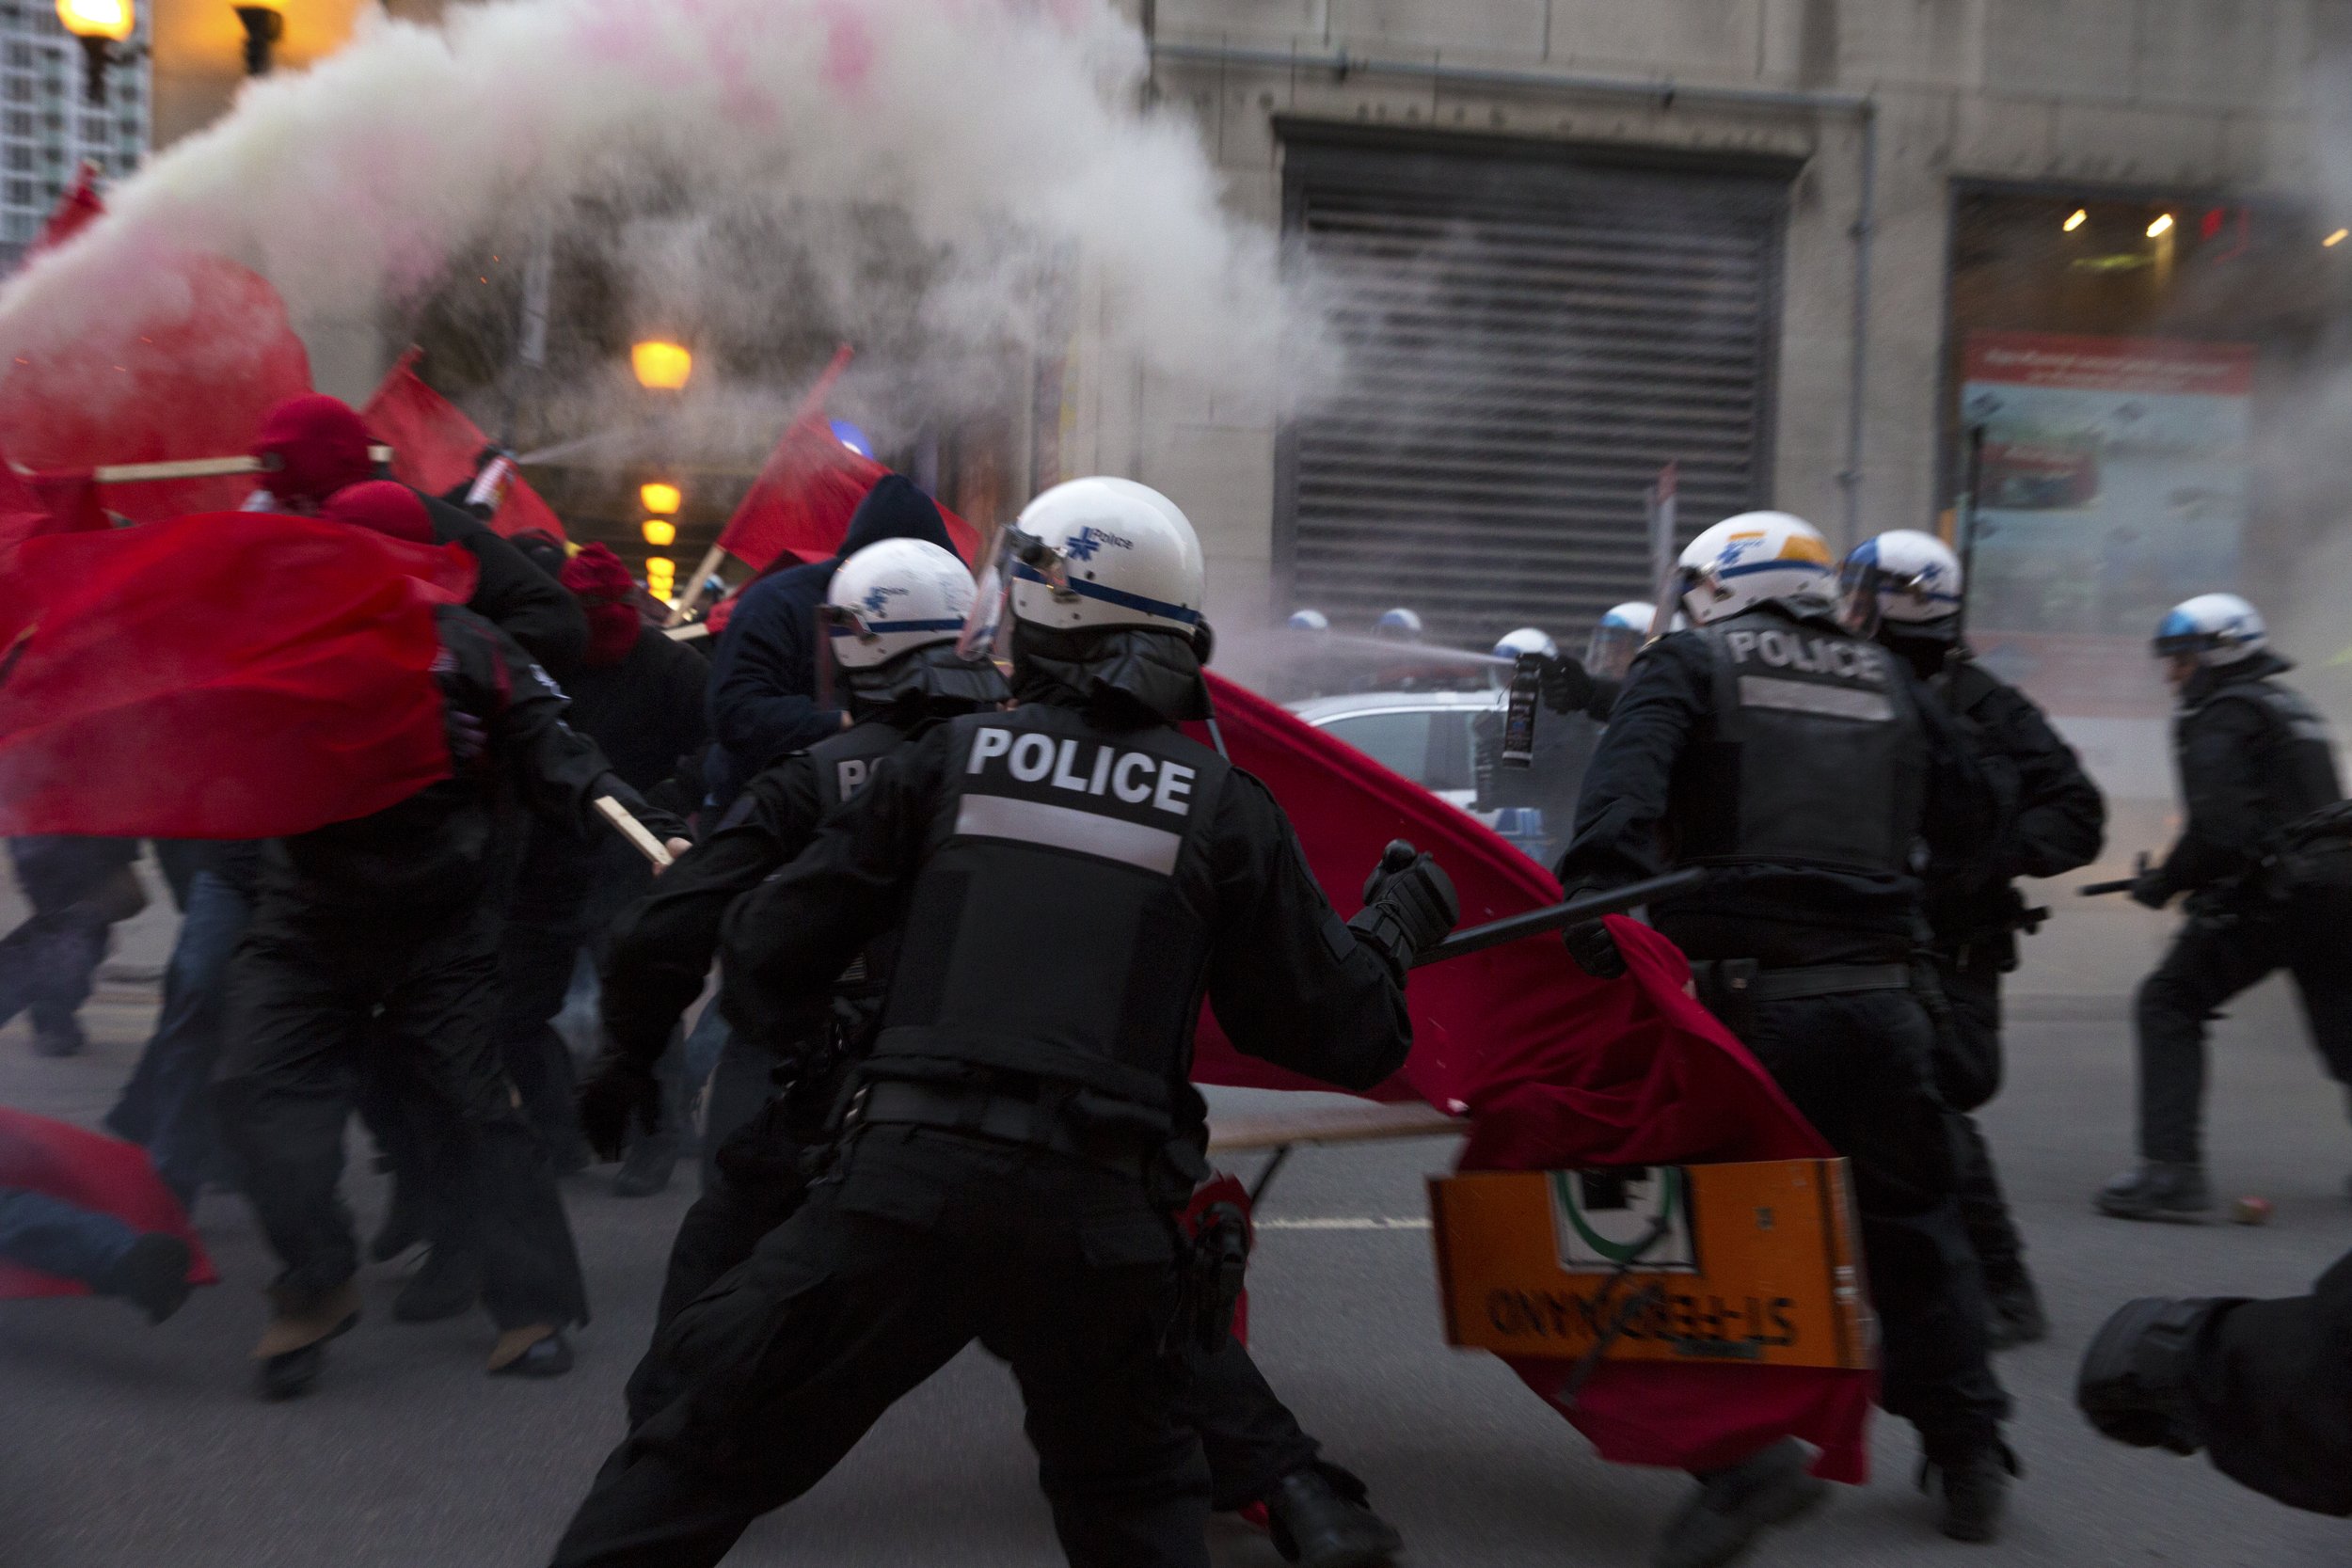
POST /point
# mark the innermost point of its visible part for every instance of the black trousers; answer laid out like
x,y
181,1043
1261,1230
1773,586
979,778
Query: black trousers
x,y
1972,992
924,1243
2218,953
309,992
49,964
1249,1436
1861,1066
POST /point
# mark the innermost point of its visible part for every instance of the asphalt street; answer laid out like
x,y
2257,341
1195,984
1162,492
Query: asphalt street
x,y
122,1444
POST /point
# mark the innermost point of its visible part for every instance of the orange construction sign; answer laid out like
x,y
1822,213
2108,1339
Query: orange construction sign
x,y
1755,1262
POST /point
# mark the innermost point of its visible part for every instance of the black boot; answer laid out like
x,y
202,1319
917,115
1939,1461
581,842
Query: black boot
x,y
153,1277
1975,1491
448,1285
2015,1317
294,1346
1317,1523
1733,1507
2157,1191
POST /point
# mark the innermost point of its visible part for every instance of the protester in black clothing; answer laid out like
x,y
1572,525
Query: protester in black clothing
x,y
1800,767
384,930
79,888
1023,1130
2263,1387
2255,759
1908,586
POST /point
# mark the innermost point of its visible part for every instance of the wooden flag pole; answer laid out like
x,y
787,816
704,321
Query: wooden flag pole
x,y
694,596
189,468
634,831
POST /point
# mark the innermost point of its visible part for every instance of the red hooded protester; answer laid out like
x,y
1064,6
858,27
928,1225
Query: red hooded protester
x,y
312,447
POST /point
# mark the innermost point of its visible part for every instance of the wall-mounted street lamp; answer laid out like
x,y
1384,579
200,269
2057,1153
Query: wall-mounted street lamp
x,y
265,27
102,25
660,365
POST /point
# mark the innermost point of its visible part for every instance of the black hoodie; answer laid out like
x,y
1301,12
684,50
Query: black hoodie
x,y
763,673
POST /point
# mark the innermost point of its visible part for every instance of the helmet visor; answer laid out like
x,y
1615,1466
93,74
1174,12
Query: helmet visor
x,y
834,622
988,629
1859,585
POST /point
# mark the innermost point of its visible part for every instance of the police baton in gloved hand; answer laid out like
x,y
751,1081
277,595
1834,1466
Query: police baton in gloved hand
x,y
1555,917
2120,885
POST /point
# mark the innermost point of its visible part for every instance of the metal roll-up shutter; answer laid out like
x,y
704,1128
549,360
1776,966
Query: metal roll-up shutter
x,y
1529,338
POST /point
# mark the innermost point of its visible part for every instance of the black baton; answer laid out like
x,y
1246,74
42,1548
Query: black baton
x,y
1535,923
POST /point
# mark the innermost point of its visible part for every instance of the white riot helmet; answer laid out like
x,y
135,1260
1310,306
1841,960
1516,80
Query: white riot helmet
x,y
1398,625
1743,561
1904,578
1617,636
888,599
1527,640
2213,628
1095,555
1308,620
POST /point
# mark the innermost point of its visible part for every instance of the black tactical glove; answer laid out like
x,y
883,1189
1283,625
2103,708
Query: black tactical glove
x,y
1566,687
2133,1382
1591,945
615,1092
1409,905
2151,889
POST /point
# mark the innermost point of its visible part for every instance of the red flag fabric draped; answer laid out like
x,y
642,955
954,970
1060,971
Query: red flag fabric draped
x,y
25,512
225,675
435,448
189,354
1554,1070
92,1172
800,505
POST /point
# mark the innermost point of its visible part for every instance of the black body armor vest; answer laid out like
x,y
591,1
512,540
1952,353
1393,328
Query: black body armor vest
x,y
1062,922
2298,764
1812,755
846,761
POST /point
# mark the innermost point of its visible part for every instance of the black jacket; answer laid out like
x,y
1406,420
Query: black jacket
x,y
1289,981
521,600
647,711
2230,766
2271,1383
662,947
1778,916
763,672
435,852
2059,822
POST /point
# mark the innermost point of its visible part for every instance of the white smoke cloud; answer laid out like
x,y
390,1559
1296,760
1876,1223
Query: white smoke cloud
x,y
967,145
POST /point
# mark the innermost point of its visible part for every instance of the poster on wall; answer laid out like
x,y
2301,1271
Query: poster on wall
x,y
2115,486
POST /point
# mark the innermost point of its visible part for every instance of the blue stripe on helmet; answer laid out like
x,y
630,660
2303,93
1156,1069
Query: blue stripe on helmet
x,y
1776,564
1108,594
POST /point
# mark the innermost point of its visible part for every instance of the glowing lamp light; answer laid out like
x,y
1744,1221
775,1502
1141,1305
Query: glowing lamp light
x,y
2161,227
2081,217
659,365
110,19
2337,238
659,531
661,500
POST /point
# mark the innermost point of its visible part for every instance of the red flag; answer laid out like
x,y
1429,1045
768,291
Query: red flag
x,y
25,512
92,1172
190,354
1554,1070
436,448
75,211
70,496
800,505
224,675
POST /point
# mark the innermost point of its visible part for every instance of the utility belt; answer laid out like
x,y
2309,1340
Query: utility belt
x,y
1028,1113
1732,987
2311,854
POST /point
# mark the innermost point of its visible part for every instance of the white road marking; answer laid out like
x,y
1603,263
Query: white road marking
x,y
1351,1223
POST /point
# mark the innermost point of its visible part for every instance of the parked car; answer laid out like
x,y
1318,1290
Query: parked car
x,y
1428,738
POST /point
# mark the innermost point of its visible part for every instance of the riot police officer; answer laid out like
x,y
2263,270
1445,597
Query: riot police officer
x,y
1908,586
1071,877
2263,1386
1800,766
2255,760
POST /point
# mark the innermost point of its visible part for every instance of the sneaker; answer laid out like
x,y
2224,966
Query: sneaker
x,y
1976,1492
447,1286
153,1277
294,1347
2016,1317
535,1350
1316,1524
1732,1507
2157,1191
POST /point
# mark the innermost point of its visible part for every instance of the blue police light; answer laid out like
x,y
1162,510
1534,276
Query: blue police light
x,y
852,438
